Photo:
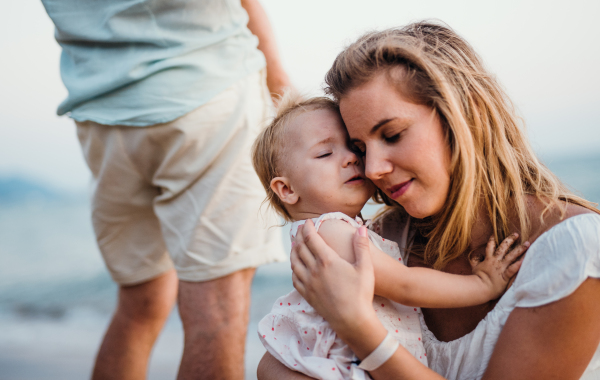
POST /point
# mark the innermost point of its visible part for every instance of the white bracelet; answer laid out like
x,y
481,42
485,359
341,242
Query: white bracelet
x,y
381,354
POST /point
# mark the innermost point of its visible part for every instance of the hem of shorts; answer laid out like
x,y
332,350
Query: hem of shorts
x,y
200,275
142,276
165,119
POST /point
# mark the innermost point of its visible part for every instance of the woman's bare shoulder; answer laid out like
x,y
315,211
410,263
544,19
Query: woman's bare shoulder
x,y
551,217
565,250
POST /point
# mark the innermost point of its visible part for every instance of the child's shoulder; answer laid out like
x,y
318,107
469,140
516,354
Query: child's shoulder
x,y
338,231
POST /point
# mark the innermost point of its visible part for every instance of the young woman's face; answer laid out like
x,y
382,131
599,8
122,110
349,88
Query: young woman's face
x,y
406,153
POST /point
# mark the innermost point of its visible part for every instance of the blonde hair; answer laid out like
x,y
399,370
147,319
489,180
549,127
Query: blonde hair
x,y
492,163
270,145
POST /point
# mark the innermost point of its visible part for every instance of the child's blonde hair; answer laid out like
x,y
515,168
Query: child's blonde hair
x,y
270,145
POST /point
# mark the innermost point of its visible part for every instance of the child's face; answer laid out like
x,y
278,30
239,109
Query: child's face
x,y
322,170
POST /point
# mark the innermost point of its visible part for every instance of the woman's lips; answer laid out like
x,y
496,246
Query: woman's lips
x,y
398,190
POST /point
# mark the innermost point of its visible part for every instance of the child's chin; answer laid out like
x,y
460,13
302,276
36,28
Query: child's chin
x,y
357,209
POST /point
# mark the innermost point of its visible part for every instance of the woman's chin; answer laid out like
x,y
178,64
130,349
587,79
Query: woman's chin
x,y
418,212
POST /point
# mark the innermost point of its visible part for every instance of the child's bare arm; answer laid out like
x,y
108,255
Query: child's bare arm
x,y
338,235
427,287
430,288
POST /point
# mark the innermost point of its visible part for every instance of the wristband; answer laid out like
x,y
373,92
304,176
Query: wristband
x,y
381,354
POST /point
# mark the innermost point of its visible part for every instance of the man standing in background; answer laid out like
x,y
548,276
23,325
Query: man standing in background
x,y
168,96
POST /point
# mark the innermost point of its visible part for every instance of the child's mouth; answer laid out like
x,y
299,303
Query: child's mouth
x,y
355,180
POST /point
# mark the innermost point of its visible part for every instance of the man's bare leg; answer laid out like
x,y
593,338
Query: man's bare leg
x,y
215,318
141,313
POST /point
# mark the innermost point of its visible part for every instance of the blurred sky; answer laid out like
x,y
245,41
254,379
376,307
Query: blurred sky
x,y
545,53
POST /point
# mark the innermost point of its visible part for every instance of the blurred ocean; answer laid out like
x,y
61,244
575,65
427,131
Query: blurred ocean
x,y
56,297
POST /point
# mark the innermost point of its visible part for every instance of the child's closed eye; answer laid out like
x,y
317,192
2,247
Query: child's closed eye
x,y
323,155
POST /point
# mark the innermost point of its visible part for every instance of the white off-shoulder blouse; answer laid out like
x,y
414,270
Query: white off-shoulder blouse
x,y
555,265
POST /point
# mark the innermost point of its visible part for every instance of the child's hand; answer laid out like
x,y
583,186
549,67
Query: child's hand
x,y
499,265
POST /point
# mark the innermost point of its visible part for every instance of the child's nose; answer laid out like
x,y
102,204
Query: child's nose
x,y
352,159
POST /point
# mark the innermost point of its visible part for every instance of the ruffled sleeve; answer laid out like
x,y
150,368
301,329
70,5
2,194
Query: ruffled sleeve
x,y
559,261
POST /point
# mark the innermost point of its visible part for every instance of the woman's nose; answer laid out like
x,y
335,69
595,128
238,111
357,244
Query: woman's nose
x,y
376,166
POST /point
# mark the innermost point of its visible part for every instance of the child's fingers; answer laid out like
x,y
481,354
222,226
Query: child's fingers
x,y
474,261
515,253
506,244
512,270
490,247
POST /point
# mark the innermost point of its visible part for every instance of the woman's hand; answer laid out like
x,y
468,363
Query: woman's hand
x,y
341,292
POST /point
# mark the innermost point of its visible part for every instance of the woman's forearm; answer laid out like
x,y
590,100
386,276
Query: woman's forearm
x,y
270,368
402,365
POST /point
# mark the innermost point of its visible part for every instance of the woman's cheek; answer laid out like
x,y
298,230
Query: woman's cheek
x,y
440,199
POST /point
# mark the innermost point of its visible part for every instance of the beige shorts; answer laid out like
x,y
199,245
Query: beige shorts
x,y
183,194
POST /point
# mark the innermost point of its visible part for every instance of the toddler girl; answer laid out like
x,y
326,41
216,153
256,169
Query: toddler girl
x,y
309,172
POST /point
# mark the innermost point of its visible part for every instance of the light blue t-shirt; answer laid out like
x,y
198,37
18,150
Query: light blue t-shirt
x,y
143,62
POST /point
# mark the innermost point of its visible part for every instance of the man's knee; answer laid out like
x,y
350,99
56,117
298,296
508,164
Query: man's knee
x,y
150,301
219,302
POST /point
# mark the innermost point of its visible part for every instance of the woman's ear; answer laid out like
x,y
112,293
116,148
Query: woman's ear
x,y
281,187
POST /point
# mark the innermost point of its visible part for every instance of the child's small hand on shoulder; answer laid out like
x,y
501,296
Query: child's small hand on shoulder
x,y
500,264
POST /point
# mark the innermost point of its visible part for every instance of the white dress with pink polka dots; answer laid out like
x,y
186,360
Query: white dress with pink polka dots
x,y
302,340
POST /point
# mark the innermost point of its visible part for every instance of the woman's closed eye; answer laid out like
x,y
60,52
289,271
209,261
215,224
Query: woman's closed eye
x,y
324,154
392,139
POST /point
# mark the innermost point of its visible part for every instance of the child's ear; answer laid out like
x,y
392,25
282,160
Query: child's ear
x,y
281,187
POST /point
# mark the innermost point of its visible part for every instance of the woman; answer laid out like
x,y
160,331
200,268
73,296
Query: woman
x,y
443,144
